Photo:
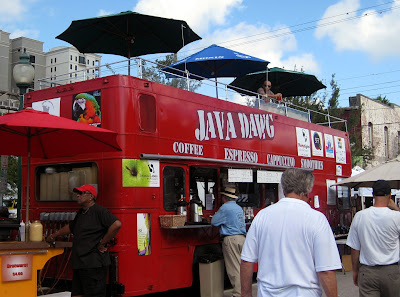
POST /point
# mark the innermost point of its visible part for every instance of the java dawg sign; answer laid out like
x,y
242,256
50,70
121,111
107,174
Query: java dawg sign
x,y
230,125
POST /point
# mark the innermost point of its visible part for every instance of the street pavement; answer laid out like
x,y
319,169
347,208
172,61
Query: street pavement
x,y
346,288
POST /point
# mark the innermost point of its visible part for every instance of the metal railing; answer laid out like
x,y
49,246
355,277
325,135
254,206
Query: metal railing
x,y
150,70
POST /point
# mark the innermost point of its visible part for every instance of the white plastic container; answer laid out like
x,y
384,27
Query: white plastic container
x,y
22,231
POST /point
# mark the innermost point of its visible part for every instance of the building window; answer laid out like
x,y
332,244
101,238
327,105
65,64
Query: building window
x,y
93,63
55,60
370,135
386,140
76,67
32,59
51,69
88,61
51,61
70,57
76,59
398,142
55,69
70,66
82,60
51,186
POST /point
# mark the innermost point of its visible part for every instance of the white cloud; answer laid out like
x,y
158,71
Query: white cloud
x,y
34,34
103,12
371,32
199,14
11,10
256,40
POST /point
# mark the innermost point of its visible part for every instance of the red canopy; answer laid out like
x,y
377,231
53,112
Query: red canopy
x,y
38,134
50,136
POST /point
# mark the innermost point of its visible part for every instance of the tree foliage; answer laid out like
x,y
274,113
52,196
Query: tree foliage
x,y
12,177
383,100
152,72
328,103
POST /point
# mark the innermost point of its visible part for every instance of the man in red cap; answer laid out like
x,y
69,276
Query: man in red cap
x,y
93,227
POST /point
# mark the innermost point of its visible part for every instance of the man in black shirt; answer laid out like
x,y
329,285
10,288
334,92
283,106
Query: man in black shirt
x,y
93,227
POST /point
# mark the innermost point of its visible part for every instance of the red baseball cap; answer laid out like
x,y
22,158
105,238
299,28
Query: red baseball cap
x,y
92,190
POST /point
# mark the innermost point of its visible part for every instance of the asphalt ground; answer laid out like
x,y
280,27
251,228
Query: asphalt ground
x,y
346,288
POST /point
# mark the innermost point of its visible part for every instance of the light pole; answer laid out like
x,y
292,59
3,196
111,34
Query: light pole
x,y
23,74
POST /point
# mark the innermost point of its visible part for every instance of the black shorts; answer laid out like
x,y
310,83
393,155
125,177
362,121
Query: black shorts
x,y
89,282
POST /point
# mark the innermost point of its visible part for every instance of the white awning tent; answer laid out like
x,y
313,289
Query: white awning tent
x,y
367,192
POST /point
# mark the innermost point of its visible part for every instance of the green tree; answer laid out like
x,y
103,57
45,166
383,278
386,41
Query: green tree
x,y
153,73
329,104
12,177
383,100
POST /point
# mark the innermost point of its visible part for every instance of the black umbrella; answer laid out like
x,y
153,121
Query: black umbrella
x,y
128,34
289,83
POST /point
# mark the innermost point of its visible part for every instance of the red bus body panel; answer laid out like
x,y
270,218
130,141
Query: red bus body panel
x,y
179,132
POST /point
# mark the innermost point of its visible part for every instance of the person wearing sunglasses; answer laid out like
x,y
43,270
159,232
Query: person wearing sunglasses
x,y
267,94
93,227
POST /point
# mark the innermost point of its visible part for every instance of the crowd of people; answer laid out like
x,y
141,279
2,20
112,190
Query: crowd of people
x,y
292,243
295,248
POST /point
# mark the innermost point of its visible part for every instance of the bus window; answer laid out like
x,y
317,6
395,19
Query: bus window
x,y
56,182
249,193
202,182
271,194
173,186
147,108
343,198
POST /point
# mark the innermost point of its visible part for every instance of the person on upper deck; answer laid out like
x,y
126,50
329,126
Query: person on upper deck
x,y
267,94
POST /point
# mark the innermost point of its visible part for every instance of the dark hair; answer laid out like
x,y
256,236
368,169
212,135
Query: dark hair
x,y
297,181
381,188
4,212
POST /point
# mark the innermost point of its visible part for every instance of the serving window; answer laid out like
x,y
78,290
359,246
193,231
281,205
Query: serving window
x,y
203,181
173,186
245,182
56,182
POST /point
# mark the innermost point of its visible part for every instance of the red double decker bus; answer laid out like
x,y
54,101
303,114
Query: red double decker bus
x,y
177,146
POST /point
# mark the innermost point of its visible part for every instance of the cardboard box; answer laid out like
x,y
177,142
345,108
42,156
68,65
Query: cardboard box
x,y
346,262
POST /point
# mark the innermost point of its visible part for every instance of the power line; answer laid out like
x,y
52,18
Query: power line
x,y
306,28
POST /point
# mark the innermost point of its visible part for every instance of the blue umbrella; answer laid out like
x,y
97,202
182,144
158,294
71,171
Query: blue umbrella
x,y
216,61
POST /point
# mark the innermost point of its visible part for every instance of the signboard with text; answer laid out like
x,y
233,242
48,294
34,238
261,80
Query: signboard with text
x,y
16,267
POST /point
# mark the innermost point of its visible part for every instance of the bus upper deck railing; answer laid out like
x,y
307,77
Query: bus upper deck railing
x,y
150,70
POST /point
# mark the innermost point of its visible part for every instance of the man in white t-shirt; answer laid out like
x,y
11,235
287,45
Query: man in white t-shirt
x,y
374,241
293,245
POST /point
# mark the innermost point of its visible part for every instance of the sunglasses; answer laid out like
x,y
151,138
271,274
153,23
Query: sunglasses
x,y
267,86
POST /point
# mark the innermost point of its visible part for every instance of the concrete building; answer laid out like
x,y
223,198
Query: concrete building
x,y
378,127
61,65
67,65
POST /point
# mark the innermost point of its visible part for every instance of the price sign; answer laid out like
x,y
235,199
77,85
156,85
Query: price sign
x,y
16,267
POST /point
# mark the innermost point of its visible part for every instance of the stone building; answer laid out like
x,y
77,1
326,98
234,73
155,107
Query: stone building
x,y
377,126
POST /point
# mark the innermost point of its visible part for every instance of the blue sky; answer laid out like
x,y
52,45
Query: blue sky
x,y
357,40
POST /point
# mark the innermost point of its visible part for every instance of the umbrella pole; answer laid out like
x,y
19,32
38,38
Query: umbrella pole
x,y
216,87
27,194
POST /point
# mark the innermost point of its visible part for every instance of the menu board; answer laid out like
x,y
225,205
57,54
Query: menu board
x,y
240,175
268,177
